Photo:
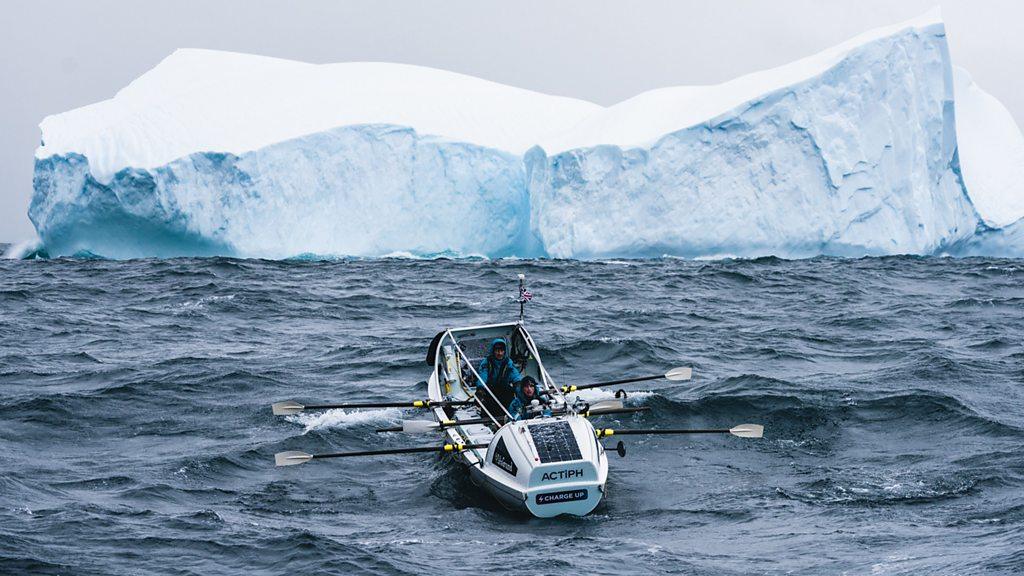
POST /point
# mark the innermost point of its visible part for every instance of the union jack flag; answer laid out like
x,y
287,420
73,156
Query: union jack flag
x,y
525,295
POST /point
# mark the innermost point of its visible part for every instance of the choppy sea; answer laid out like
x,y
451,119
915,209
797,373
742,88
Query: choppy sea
x,y
136,435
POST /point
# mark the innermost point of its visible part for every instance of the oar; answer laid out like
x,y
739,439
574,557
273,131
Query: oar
x,y
294,457
420,426
743,431
417,426
600,412
606,405
292,407
680,373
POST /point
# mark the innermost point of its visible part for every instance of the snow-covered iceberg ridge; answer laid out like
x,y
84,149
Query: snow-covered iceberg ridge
x,y
875,146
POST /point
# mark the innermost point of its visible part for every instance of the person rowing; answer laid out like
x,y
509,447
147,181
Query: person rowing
x,y
496,370
499,374
527,393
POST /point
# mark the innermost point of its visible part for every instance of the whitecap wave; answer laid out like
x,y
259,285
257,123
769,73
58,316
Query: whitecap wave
x,y
342,419
23,249
597,394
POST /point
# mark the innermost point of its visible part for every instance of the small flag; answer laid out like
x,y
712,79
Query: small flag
x,y
525,295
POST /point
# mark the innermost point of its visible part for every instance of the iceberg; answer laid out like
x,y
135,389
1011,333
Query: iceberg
x,y
876,146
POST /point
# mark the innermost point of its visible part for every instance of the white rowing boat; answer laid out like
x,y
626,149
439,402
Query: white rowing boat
x,y
550,463
544,465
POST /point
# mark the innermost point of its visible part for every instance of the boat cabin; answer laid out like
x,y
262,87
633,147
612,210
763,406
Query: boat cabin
x,y
456,355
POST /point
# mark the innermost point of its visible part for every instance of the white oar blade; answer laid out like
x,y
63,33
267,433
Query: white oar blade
x,y
748,431
287,407
606,405
291,458
680,373
419,426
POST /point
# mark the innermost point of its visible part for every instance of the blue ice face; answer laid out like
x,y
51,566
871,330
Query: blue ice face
x,y
356,191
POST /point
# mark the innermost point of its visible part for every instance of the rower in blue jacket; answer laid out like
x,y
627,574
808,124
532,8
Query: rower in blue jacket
x,y
526,392
498,371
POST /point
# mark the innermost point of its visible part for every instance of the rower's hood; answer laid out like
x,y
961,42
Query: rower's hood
x,y
497,341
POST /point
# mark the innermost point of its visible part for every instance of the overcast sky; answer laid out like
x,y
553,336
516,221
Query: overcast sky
x,y
59,55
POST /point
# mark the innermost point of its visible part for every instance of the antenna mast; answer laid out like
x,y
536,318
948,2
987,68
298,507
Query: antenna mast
x,y
524,297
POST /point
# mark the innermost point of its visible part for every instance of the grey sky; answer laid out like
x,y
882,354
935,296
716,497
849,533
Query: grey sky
x,y
59,55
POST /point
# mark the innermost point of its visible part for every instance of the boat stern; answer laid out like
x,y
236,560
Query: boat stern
x,y
571,488
549,466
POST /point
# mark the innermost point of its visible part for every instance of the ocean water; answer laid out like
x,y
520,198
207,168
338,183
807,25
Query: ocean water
x,y
136,435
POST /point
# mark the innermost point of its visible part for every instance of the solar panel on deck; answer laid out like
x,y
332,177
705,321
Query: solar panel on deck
x,y
555,442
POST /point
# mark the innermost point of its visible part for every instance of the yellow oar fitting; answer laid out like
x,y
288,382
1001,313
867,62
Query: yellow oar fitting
x,y
454,447
421,403
568,389
604,432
